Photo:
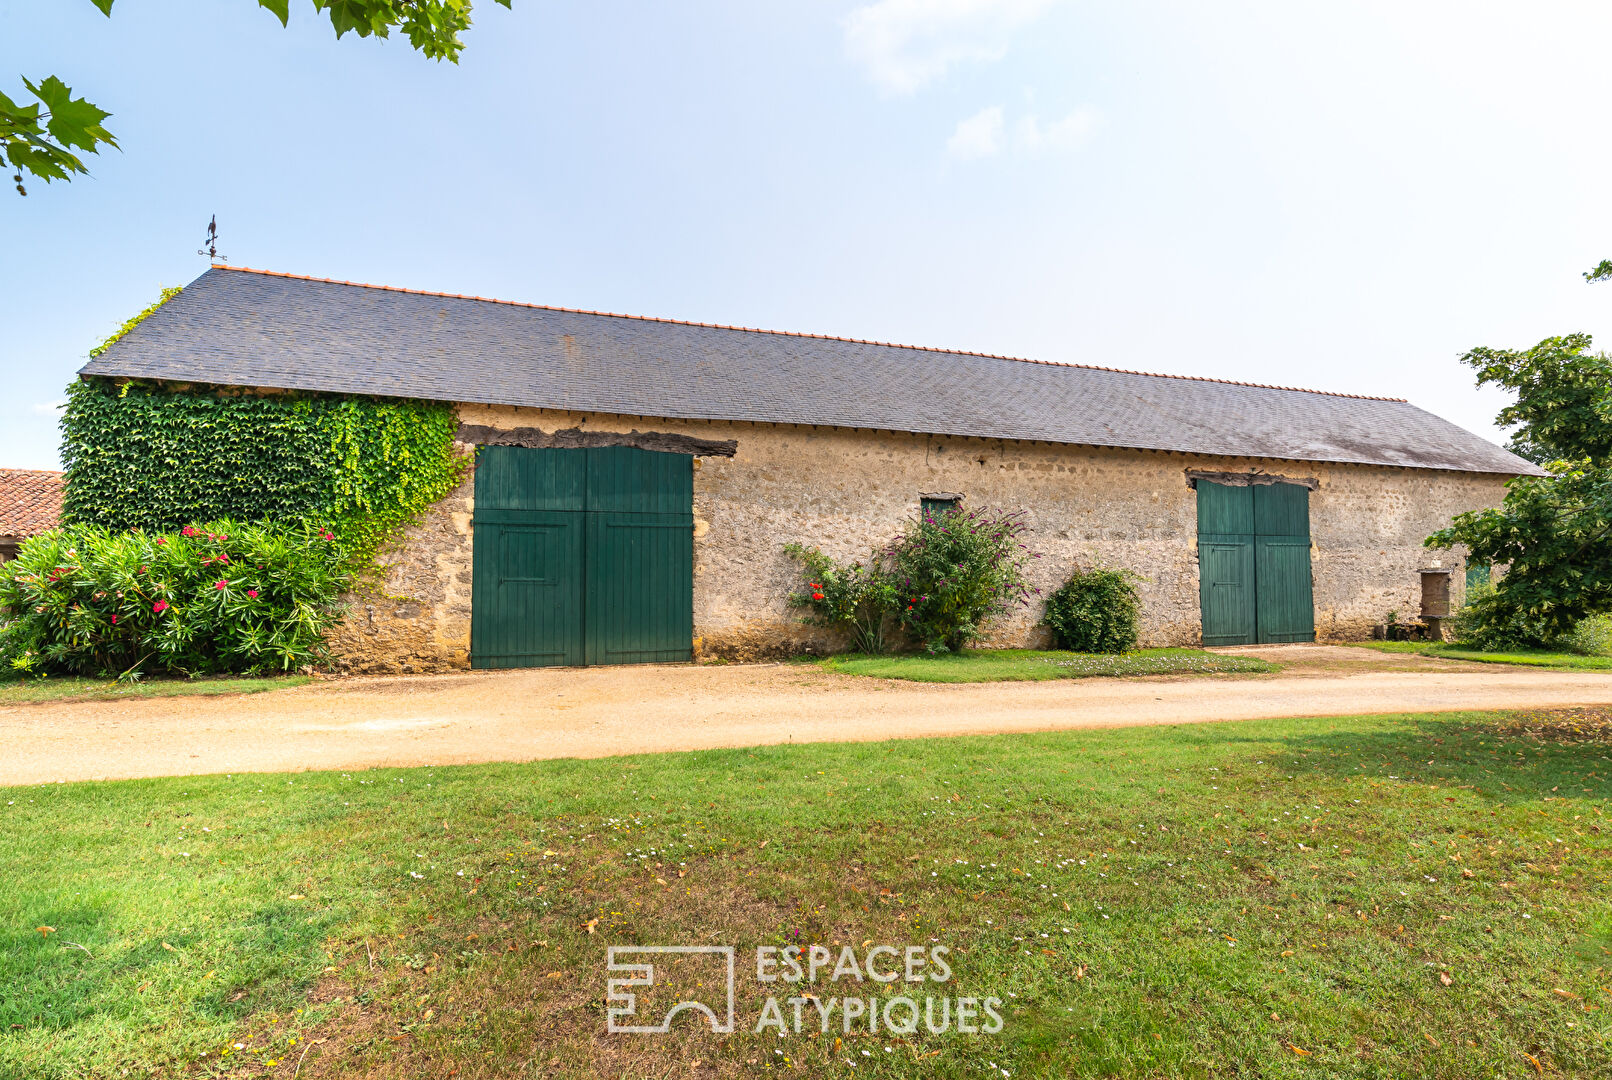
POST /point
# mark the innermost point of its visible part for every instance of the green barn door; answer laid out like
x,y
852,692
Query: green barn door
x,y
640,556
582,556
1226,563
1285,608
1254,563
526,581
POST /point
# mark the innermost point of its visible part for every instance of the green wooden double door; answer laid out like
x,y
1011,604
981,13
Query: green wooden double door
x,y
1254,563
582,556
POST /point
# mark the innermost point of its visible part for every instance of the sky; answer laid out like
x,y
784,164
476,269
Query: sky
x,y
1342,197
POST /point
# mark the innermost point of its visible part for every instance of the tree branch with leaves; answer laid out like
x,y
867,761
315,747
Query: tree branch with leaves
x,y
1553,533
45,137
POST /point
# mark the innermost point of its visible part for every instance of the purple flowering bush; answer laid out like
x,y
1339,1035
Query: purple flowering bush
x,y
206,599
956,569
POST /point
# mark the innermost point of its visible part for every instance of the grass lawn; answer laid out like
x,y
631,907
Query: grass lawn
x,y
1029,665
1424,896
1526,657
73,688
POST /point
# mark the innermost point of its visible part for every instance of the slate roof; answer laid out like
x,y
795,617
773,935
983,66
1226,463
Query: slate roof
x,y
30,501
256,328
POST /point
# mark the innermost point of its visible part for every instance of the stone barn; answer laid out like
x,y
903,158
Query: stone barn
x,y
638,478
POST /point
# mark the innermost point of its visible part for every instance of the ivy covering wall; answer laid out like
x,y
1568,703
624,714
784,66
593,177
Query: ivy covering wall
x,y
138,455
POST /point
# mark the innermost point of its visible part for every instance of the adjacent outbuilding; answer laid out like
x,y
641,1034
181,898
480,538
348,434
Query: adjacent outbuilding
x,y
30,503
638,477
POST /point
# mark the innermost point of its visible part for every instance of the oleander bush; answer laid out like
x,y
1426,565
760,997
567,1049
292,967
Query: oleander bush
x,y
1095,612
221,597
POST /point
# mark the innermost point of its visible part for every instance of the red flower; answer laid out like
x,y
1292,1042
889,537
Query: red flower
x,y
114,620
252,593
188,530
160,606
221,585
817,596
160,540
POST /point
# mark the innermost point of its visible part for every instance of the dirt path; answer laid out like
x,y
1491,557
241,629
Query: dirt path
x,y
596,712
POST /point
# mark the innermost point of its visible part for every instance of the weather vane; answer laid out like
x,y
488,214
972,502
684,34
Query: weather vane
x,y
211,250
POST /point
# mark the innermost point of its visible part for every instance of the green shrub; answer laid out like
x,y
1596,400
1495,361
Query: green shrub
x,y
1492,623
215,598
851,597
1095,612
954,571
1591,637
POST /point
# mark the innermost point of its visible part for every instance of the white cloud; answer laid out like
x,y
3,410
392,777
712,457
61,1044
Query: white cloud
x,y
985,133
906,44
1069,133
978,136
47,408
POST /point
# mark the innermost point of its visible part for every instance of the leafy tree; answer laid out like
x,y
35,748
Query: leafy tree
x,y
1553,532
40,137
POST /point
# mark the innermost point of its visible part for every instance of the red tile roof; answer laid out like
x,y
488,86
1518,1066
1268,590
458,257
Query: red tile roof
x,y
30,501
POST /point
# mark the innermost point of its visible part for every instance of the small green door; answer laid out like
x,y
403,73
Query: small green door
x,y
1254,563
526,596
582,556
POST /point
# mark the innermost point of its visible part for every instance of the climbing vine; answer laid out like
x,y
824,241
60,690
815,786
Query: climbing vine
x,y
142,456
167,295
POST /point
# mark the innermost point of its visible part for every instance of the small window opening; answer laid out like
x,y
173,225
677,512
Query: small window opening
x,y
939,504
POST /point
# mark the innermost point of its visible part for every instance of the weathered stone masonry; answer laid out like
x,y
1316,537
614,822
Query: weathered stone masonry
x,y
847,490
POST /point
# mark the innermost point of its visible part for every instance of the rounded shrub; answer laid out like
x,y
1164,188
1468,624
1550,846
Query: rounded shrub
x,y
1095,612
206,599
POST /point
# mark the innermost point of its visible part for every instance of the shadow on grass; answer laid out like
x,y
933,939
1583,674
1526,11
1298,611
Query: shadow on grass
x,y
1508,757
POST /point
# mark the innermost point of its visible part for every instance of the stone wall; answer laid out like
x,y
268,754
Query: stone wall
x,y
846,490
420,619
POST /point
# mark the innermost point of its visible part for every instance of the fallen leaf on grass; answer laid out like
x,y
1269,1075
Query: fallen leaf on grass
x,y
1299,1051
591,925
1568,994
46,931
169,947
556,974
1444,977
295,896
1430,1038
1538,1068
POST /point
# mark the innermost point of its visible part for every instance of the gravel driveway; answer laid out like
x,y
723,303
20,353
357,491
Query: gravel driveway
x,y
597,712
